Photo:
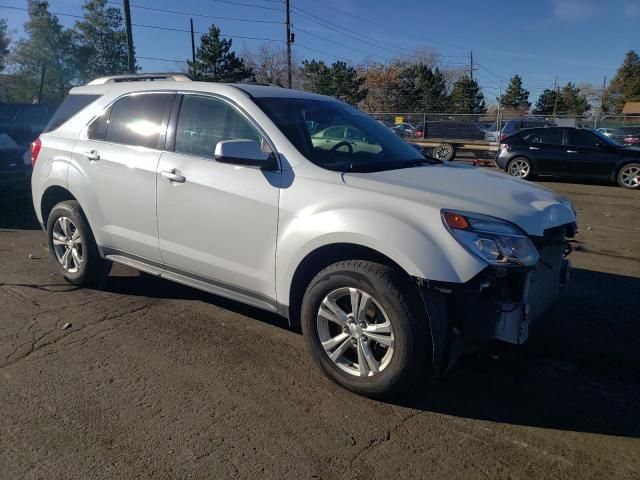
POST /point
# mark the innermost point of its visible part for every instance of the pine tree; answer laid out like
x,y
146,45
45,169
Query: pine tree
x,y
101,40
4,43
466,97
339,80
516,97
571,101
48,52
546,102
422,88
625,85
216,62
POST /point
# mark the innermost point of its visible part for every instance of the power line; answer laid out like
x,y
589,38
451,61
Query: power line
x,y
155,27
336,43
248,5
358,17
193,14
337,28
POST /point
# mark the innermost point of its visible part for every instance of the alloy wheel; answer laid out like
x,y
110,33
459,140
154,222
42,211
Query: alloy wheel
x,y
519,168
67,244
355,332
630,176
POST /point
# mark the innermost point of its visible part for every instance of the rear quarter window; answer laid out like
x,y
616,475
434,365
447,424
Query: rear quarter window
x,y
67,109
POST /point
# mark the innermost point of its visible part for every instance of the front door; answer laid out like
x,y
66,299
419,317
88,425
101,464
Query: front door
x,y
587,154
217,223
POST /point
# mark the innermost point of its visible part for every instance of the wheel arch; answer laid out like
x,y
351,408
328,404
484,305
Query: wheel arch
x,y
320,258
616,170
53,195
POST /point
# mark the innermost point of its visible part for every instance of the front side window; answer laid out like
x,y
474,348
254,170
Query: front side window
x,y
582,138
363,145
139,120
205,121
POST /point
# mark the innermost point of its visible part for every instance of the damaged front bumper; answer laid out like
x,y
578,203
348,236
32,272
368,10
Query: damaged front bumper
x,y
497,304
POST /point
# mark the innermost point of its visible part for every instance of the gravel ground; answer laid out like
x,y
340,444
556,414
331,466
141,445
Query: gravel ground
x,y
154,380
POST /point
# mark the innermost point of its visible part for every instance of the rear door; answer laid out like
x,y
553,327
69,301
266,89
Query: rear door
x,y
546,149
587,154
120,155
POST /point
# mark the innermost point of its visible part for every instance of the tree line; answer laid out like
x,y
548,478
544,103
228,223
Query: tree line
x,y
51,58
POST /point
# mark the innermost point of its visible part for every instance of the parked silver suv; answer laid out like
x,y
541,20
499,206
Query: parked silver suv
x,y
388,260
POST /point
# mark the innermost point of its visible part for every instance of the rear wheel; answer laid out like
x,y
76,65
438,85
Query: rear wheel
x,y
520,167
629,176
364,328
73,247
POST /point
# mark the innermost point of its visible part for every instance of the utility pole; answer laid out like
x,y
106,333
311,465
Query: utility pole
x,y
555,103
194,73
289,41
601,112
498,120
471,66
127,24
41,89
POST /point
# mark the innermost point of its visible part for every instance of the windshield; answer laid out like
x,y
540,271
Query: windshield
x,y
606,139
339,137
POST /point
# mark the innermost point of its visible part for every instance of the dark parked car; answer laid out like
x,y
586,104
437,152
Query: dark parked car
x,y
571,152
515,125
627,135
20,124
450,130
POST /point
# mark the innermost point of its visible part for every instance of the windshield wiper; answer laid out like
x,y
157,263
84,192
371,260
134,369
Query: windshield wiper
x,y
421,161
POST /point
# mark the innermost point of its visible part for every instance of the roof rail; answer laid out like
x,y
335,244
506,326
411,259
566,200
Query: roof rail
x,y
141,77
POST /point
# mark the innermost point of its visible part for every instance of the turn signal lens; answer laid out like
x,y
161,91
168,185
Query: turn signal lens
x,y
453,220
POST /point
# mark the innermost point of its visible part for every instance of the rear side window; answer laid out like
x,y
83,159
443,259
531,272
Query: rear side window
x,y
139,120
203,122
67,109
550,136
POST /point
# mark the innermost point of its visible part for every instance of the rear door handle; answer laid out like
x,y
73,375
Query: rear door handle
x,y
173,176
572,151
91,155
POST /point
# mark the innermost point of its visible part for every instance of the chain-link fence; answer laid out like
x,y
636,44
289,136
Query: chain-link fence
x,y
479,134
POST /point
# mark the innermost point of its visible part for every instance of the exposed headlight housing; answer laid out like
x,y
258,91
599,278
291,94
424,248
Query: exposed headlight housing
x,y
495,241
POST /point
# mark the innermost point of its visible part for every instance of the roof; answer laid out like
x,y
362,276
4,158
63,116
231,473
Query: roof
x,y
631,108
103,85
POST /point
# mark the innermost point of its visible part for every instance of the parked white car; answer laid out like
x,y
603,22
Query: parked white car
x,y
390,261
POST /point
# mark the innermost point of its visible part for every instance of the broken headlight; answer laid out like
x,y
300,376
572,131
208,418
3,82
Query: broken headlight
x,y
497,242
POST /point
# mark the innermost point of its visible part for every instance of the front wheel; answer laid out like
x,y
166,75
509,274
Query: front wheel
x,y
365,329
73,247
520,167
629,176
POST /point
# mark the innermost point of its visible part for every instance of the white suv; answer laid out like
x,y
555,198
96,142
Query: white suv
x,y
389,261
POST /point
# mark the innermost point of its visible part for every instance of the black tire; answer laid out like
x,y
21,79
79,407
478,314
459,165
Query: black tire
x,y
93,269
516,161
624,178
398,296
445,152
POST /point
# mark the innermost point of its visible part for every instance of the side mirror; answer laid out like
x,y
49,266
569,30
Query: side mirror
x,y
242,152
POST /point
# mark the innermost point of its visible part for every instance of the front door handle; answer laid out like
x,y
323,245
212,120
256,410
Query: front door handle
x,y
572,151
534,148
173,176
91,155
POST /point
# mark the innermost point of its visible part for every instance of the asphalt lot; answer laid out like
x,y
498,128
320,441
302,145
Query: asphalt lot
x,y
154,380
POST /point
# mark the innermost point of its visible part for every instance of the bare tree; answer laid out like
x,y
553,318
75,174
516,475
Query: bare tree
x,y
269,64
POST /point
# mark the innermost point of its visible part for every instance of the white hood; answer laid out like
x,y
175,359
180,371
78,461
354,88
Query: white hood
x,y
472,189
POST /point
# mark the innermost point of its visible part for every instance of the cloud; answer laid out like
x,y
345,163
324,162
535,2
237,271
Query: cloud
x,y
632,10
572,10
